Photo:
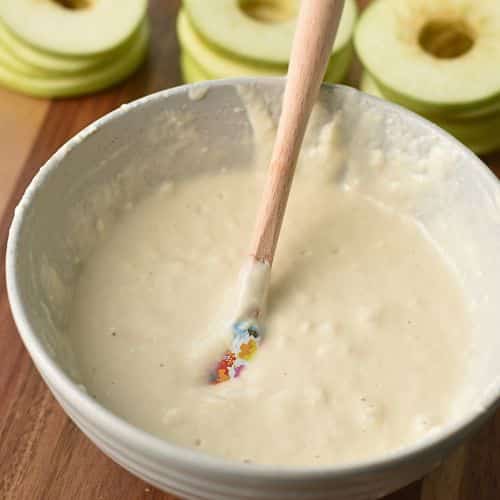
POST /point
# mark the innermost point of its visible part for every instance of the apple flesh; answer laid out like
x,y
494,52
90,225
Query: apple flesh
x,y
215,62
9,60
60,48
437,58
29,56
73,27
191,72
481,134
255,31
53,86
206,61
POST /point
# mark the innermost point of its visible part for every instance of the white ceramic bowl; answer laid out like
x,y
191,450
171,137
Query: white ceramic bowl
x,y
134,148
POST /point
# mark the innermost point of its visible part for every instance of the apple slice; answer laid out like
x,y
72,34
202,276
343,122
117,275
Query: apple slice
x,y
9,60
213,63
258,31
480,134
73,27
48,62
436,57
191,72
65,86
438,113
339,64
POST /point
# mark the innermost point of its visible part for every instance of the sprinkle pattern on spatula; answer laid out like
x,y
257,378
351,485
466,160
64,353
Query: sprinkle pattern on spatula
x,y
246,340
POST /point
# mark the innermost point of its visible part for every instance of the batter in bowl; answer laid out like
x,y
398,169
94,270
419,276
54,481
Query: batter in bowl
x,y
365,349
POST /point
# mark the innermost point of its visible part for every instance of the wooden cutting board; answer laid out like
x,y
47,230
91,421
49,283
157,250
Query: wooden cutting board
x,y
43,456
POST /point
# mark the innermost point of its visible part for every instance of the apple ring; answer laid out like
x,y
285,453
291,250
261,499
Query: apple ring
x,y
65,86
480,134
73,27
434,57
252,30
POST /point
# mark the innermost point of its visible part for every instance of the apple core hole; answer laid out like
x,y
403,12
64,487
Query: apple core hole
x,y
74,4
446,39
269,11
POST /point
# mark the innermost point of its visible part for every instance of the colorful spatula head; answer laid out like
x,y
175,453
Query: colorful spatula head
x,y
246,340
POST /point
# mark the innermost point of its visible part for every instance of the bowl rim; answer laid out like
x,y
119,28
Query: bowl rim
x,y
446,439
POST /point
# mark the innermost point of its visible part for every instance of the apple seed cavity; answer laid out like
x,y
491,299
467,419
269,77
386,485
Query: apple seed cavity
x,y
75,4
269,11
446,39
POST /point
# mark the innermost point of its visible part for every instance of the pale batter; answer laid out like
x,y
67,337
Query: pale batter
x,y
366,323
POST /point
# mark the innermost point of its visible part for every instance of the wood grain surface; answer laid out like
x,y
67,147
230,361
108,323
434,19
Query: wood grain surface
x,y
42,454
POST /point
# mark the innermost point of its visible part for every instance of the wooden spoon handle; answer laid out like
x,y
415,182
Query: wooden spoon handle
x,y
312,44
